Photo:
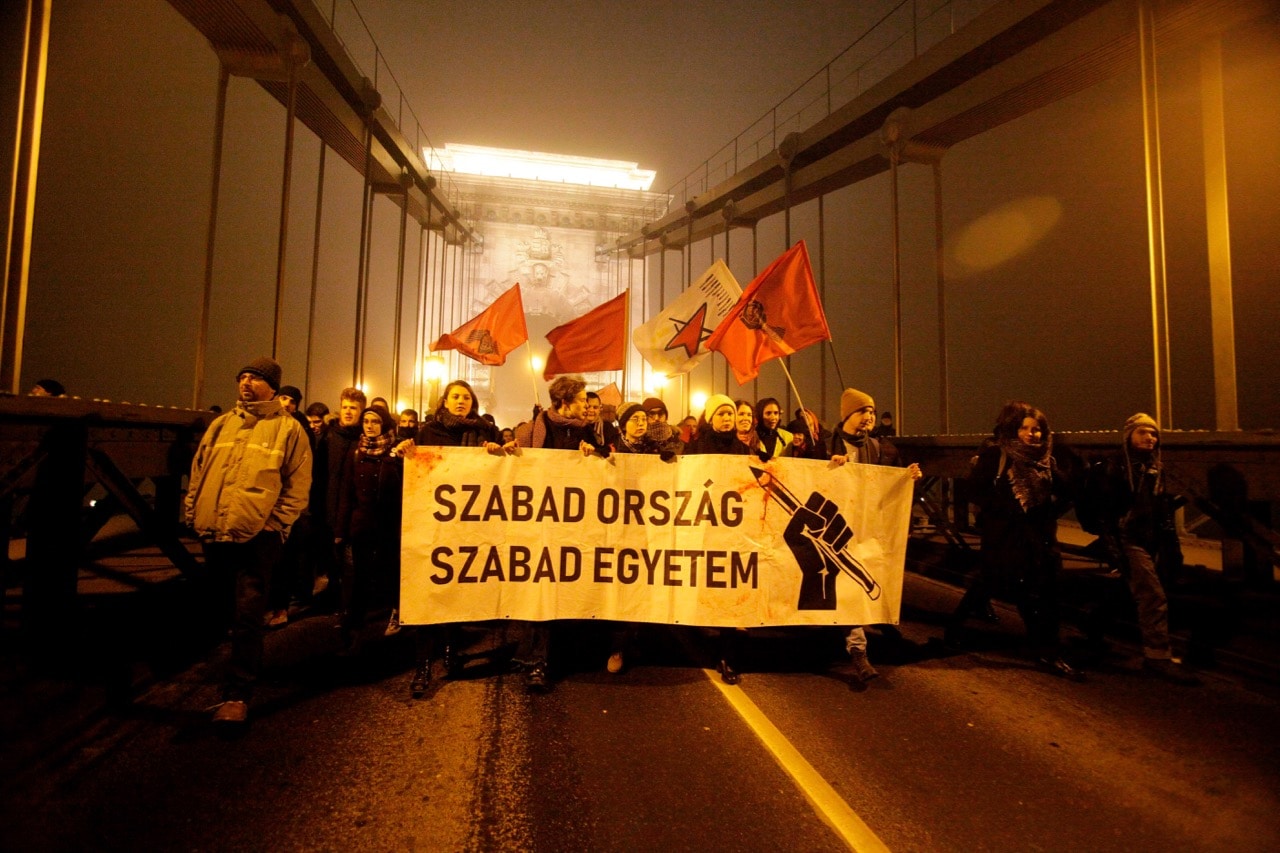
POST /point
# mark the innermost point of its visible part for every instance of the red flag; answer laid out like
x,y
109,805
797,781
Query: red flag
x,y
779,313
610,395
595,341
491,334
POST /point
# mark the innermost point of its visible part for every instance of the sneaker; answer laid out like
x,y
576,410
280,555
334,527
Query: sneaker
x,y
231,713
615,663
1168,670
393,624
276,618
1056,666
862,668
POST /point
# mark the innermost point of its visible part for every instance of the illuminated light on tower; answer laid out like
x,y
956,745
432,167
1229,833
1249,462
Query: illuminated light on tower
x,y
537,166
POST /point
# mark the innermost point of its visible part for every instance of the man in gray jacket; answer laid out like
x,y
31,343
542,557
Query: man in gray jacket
x,y
249,483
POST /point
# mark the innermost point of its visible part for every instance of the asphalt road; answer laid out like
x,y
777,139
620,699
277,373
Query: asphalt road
x,y
946,751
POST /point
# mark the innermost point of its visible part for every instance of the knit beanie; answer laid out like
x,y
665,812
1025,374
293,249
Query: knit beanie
x,y
652,403
388,422
265,367
715,401
1135,421
626,410
851,400
291,391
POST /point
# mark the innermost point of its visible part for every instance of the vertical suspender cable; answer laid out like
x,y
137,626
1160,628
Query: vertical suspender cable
x,y
405,183
362,272
755,270
822,297
944,392
202,338
419,317
298,52
315,271
897,292
1155,213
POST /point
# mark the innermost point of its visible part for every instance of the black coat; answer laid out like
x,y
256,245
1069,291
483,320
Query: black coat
x,y
435,434
369,501
1021,544
332,457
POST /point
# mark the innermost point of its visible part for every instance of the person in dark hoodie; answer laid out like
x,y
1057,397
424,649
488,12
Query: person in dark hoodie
x,y
561,427
634,437
290,581
332,456
367,526
1135,517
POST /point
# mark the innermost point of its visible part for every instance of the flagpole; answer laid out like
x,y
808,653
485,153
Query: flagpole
x,y
783,363
626,338
533,380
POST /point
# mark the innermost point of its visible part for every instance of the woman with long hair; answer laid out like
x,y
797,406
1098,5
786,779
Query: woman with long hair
x,y
457,423
368,522
1022,483
772,439
744,421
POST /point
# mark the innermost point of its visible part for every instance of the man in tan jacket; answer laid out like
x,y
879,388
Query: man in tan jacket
x,y
249,483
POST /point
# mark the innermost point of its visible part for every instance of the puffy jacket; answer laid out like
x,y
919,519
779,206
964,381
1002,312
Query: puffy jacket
x,y
251,472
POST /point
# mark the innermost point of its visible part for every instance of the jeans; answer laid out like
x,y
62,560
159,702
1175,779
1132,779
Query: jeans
x,y
250,565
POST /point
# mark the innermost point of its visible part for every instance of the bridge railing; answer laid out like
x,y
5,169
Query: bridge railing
x,y
902,34
349,26
1232,481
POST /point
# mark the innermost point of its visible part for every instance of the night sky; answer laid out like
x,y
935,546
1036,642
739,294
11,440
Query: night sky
x,y
1047,283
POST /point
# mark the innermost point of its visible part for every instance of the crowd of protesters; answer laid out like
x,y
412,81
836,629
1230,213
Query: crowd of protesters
x,y
302,507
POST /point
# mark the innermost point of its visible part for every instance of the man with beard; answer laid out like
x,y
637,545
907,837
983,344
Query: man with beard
x,y
1135,517
249,482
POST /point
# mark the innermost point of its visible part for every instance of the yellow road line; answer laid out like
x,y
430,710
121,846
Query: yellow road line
x,y
829,805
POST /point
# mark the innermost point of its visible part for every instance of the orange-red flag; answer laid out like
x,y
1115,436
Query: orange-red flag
x,y
779,313
595,341
491,334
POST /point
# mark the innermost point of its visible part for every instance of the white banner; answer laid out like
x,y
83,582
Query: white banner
x,y
723,541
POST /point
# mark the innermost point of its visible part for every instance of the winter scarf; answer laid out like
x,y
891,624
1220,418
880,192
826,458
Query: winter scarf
x,y
1030,471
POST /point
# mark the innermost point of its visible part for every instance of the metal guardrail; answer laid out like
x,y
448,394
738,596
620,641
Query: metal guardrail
x,y
349,27
902,34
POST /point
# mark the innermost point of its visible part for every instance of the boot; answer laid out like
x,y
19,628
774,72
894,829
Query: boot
x,y
421,680
535,680
861,667
1169,671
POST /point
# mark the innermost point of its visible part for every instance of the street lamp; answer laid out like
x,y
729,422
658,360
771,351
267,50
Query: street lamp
x,y
433,371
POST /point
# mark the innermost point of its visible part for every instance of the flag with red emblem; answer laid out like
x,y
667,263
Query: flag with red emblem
x,y
778,314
